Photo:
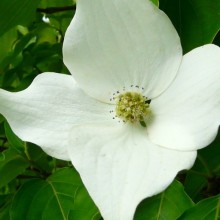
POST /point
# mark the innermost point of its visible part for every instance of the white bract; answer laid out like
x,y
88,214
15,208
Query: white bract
x,y
134,111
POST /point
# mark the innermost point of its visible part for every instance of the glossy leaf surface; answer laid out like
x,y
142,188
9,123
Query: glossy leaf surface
x,y
168,205
197,21
52,198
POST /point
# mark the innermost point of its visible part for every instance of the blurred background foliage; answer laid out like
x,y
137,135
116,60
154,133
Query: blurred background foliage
x,y
33,185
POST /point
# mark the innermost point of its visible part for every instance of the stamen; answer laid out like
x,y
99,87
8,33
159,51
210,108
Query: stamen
x,y
132,107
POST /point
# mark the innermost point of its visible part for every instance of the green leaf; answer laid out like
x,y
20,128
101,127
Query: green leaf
x,y
60,21
168,205
13,140
196,183
83,207
217,39
14,57
53,198
16,12
207,209
202,179
11,166
6,45
197,21
39,159
156,2
5,206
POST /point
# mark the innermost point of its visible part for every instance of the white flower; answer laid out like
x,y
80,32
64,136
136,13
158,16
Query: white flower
x,y
113,47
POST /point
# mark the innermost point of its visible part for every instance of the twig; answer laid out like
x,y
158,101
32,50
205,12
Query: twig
x,y
52,10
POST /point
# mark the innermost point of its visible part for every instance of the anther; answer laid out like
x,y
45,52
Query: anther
x,y
148,101
132,107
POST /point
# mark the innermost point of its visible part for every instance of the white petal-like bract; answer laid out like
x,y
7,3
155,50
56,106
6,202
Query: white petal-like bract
x,y
45,112
187,115
111,44
120,167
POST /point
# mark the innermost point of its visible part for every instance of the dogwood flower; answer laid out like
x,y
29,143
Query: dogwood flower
x,y
133,113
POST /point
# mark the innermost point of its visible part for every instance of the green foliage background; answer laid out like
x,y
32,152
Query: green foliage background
x,y
34,186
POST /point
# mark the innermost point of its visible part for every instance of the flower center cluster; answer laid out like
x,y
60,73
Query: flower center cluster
x,y
132,107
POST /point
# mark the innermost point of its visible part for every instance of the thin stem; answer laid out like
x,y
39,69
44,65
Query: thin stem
x,y
52,10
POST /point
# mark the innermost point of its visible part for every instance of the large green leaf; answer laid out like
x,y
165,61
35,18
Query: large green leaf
x,y
168,205
83,207
208,209
5,206
16,12
13,140
197,21
11,166
53,198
